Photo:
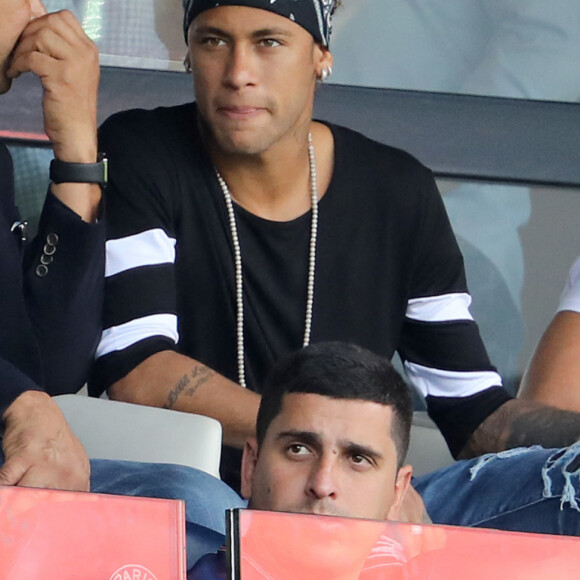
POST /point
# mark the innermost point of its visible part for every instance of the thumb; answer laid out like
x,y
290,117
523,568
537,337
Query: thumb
x,y
12,471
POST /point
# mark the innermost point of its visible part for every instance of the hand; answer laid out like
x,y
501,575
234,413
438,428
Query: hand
x,y
413,509
40,449
55,48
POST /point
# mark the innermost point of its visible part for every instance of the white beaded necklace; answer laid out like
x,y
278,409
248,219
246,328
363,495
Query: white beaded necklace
x,y
238,262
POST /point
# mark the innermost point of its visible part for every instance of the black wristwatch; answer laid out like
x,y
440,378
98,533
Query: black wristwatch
x,y
65,172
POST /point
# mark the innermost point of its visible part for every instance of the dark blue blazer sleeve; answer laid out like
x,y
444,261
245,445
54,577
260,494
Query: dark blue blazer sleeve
x,y
64,272
20,362
50,316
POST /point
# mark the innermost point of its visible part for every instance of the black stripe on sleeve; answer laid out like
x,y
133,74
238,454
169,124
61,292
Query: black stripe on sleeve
x,y
451,346
459,417
139,292
112,367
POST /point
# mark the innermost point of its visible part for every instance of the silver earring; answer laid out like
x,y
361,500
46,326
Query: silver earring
x,y
325,74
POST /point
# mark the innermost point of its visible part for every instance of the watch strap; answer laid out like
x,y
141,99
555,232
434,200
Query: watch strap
x,y
66,172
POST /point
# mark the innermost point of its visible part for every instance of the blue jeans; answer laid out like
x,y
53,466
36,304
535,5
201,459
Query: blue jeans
x,y
206,497
527,489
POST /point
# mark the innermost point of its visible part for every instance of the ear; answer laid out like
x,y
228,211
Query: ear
x,y
402,483
323,59
187,62
249,460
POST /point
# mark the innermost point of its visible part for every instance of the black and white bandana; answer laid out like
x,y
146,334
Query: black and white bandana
x,y
313,15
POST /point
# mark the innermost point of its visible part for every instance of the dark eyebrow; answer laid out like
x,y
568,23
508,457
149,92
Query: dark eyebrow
x,y
271,32
356,449
315,440
308,437
210,30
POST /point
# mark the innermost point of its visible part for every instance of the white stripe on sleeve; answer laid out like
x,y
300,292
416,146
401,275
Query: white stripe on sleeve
x,y
147,248
570,299
440,308
122,336
439,383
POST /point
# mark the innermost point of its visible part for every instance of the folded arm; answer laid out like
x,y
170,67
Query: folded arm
x,y
553,376
173,381
547,411
520,423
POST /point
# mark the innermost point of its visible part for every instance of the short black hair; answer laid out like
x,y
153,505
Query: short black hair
x,y
340,371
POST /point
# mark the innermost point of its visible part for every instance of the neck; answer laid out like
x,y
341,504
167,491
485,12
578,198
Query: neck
x,y
273,184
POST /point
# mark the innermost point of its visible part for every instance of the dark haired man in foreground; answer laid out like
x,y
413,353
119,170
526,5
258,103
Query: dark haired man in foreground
x,y
332,434
241,229
330,407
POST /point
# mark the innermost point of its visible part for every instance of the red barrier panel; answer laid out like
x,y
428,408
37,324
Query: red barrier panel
x,y
275,546
61,535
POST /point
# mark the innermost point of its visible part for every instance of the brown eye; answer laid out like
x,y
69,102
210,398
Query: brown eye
x,y
212,41
359,459
297,449
270,43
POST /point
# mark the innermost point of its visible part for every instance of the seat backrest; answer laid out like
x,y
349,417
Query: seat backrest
x,y
114,430
427,450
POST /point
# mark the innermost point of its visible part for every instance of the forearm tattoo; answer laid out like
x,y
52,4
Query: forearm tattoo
x,y
188,384
520,423
548,427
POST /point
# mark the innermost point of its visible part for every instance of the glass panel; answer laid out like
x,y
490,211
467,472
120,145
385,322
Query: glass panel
x,y
30,180
131,33
518,244
511,48
507,48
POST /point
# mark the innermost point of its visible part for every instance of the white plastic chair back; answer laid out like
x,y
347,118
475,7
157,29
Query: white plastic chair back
x,y
114,430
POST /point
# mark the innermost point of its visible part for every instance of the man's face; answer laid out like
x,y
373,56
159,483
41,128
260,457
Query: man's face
x,y
14,16
254,75
326,456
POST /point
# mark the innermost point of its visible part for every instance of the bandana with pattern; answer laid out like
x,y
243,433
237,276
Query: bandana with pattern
x,y
312,15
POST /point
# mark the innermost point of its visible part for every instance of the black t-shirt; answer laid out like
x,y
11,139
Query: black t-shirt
x,y
389,274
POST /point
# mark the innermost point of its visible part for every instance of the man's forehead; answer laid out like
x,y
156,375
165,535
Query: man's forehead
x,y
319,414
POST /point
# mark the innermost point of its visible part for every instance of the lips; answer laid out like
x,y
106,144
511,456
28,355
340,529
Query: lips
x,y
239,113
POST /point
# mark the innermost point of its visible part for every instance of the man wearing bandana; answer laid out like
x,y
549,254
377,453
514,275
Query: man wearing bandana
x,y
241,229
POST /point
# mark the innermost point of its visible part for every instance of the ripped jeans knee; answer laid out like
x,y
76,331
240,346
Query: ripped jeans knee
x,y
527,489
560,472
486,460
561,476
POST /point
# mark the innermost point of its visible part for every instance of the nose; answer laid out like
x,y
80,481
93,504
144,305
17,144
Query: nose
x,y
240,68
322,482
